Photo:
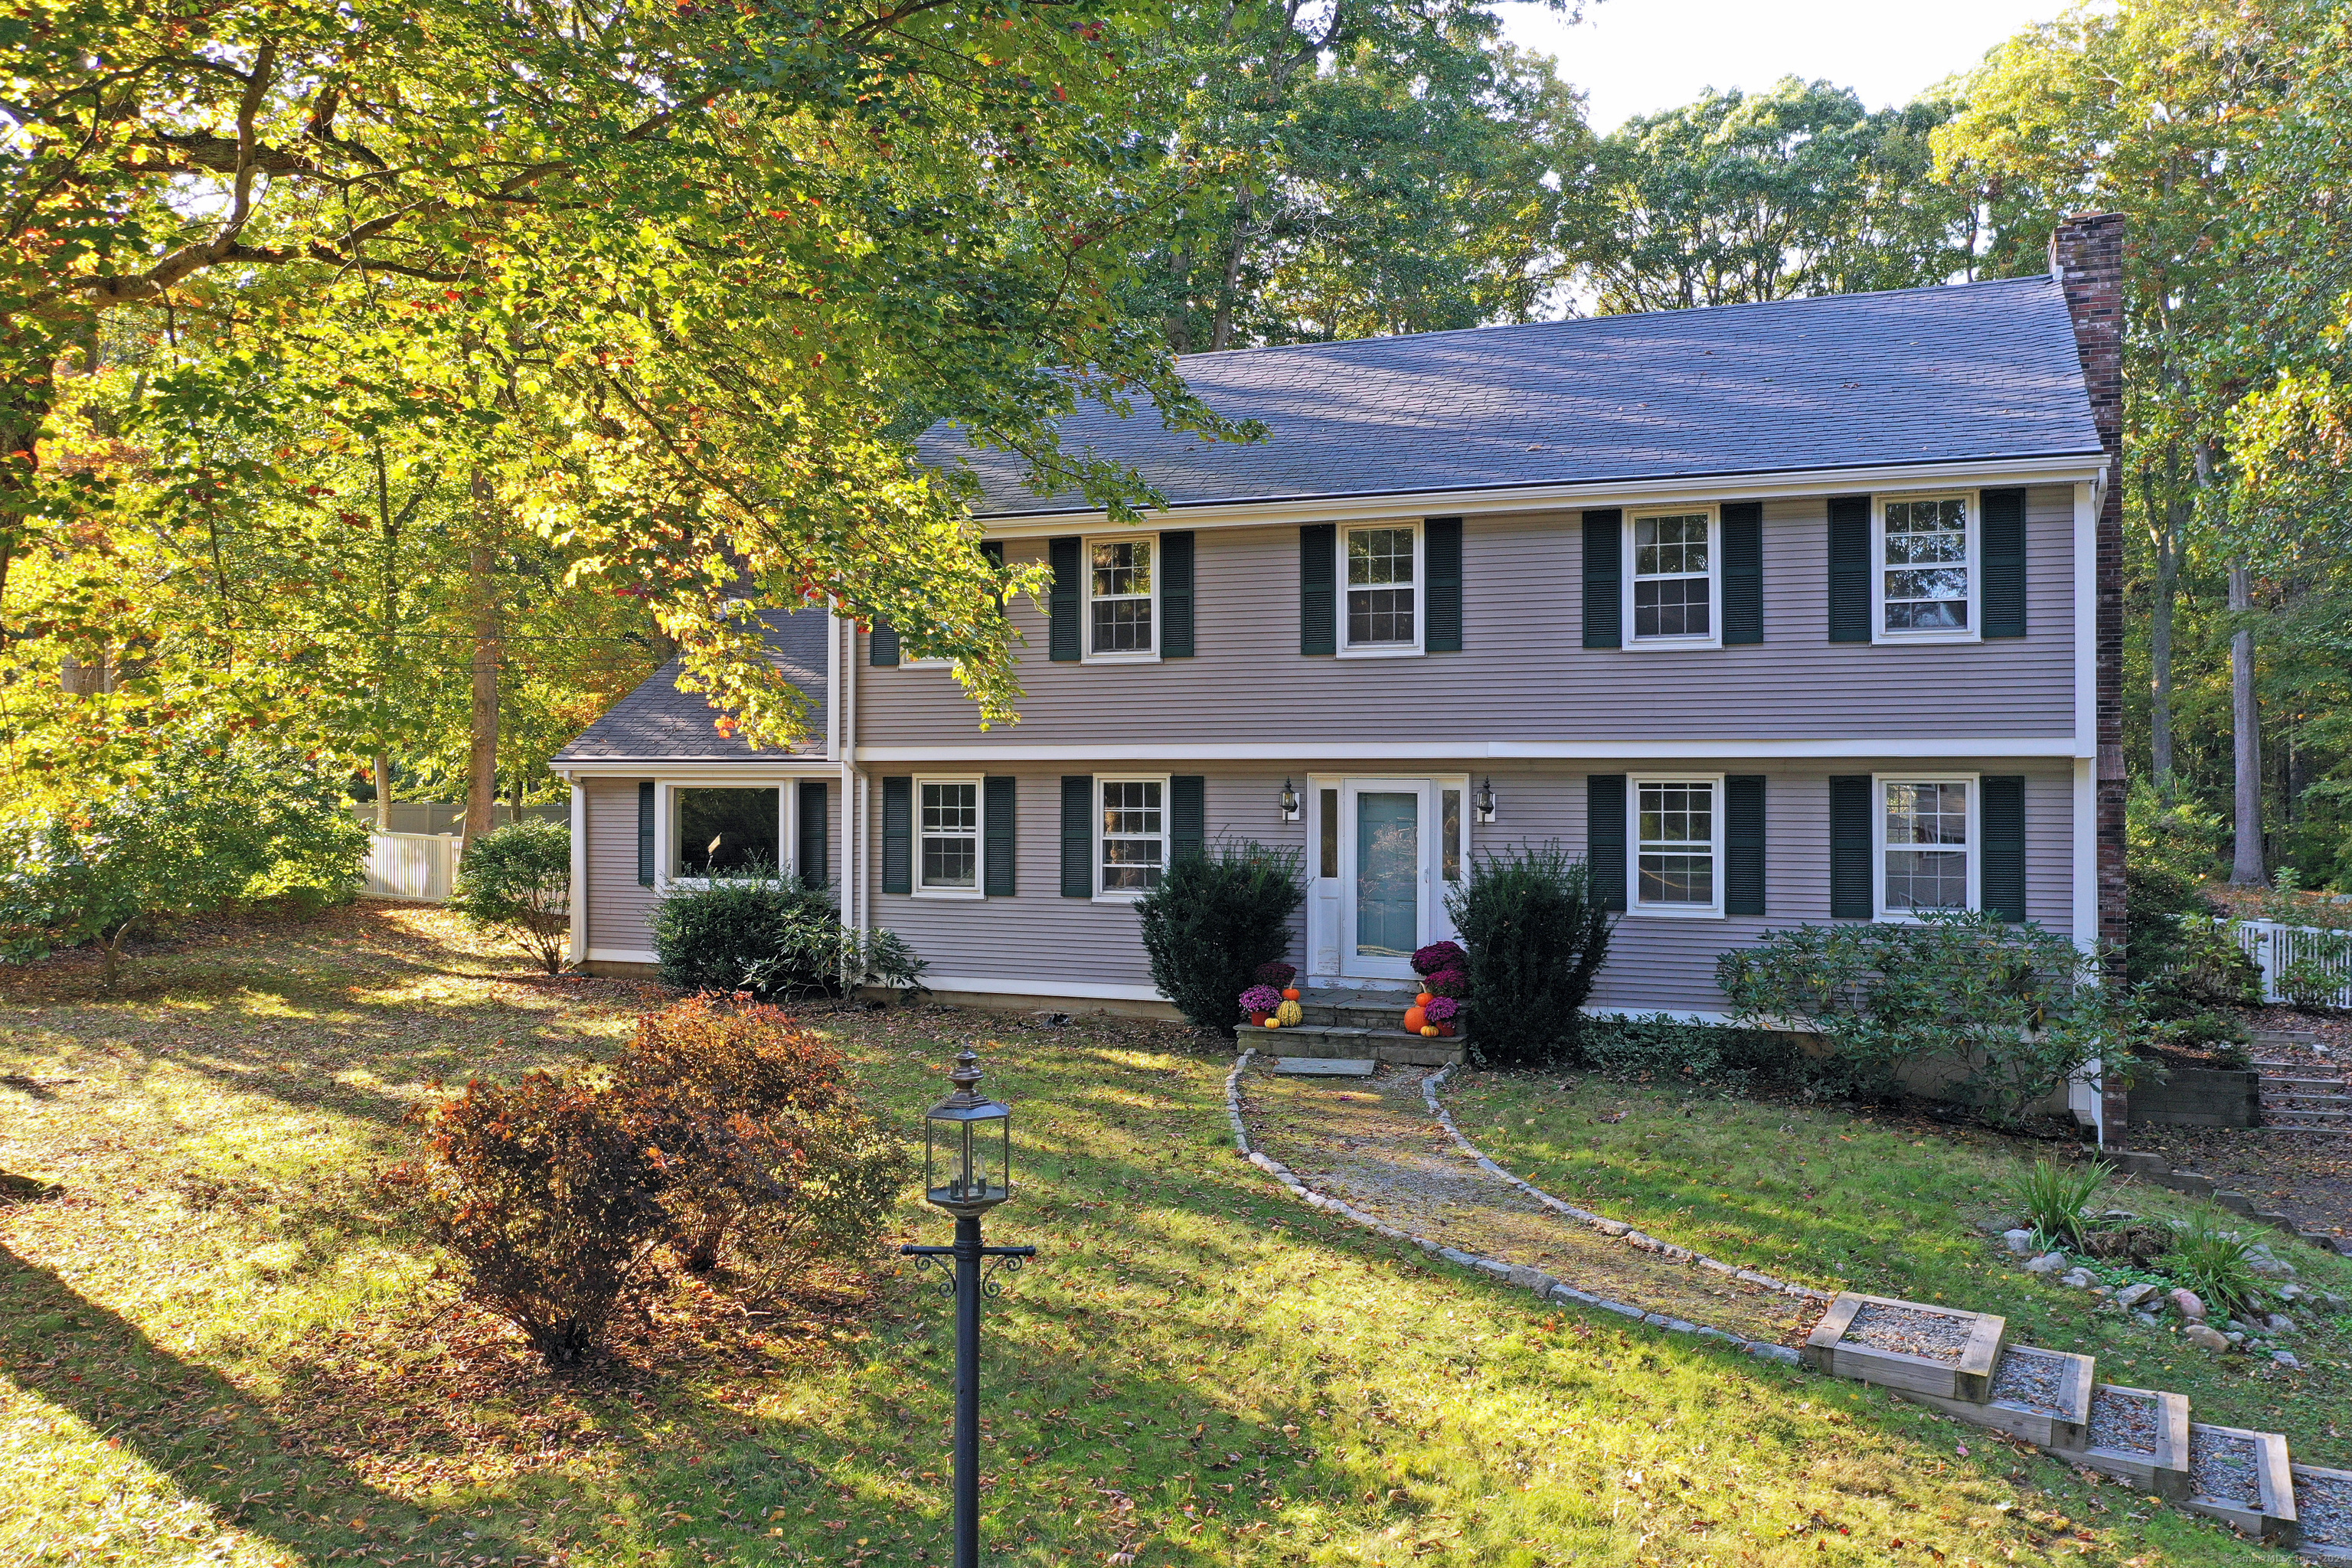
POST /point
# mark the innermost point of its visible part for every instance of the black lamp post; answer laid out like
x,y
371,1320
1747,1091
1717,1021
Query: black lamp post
x,y
967,1170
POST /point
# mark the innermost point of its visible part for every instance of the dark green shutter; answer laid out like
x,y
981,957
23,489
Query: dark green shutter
x,y
997,798
1062,600
1318,587
1849,582
1176,595
646,833
1852,886
1743,573
1188,815
815,841
1743,844
1441,556
1604,589
899,836
993,550
2001,866
1078,837
2004,564
882,643
1604,836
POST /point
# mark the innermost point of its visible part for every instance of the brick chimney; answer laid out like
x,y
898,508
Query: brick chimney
x,y
2086,258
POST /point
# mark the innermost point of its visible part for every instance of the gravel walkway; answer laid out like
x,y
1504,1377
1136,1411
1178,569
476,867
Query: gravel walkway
x,y
2124,1422
2225,1469
2027,1377
2323,1507
1370,1142
1931,1335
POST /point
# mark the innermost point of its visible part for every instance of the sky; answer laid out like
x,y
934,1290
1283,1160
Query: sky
x,y
1637,57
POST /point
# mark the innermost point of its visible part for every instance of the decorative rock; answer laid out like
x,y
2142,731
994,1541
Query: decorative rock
x,y
2279,1323
2145,1319
2292,1292
2235,1339
2133,1295
2286,1359
2261,1260
2206,1336
2078,1279
2019,1242
2048,1263
2189,1304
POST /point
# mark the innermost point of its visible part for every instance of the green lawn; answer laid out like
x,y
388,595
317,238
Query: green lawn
x,y
1886,1205
219,1345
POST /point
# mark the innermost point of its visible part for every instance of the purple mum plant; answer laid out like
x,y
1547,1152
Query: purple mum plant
x,y
1277,974
1261,999
1438,956
1448,982
1442,1010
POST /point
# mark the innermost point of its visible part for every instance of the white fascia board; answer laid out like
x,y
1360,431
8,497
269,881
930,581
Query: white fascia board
x,y
680,771
2085,886
2078,468
1887,746
1100,991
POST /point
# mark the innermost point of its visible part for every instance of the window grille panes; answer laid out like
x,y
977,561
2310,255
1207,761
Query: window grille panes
x,y
727,832
1122,596
950,832
1671,577
1330,833
1927,847
1927,566
1381,585
1134,835
1678,844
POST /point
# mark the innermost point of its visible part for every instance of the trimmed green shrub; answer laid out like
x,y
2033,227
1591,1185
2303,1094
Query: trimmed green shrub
x,y
516,880
756,933
1213,919
2020,1008
1659,1048
1537,938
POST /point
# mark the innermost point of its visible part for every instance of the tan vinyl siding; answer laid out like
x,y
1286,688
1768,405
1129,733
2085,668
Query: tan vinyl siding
x,y
1039,938
1523,674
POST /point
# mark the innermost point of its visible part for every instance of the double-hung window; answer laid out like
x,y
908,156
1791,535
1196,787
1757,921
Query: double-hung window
x,y
1379,606
1672,596
1122,597
1927,569
947,835
1927,845
1132,835
1678,852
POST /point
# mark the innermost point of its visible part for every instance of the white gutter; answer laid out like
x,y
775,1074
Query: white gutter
x,y
1496,750
2076,468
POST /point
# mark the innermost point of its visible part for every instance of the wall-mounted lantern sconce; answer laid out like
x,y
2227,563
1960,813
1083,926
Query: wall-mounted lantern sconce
x,y
1290,802
1486,801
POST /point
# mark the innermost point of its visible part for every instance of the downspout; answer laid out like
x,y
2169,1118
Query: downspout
x,y
579,897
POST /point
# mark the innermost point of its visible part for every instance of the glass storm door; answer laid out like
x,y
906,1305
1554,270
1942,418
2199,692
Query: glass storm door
x,y
1382,854
1388,874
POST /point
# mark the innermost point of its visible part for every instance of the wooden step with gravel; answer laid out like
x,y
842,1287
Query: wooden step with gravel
x,y
1370,1142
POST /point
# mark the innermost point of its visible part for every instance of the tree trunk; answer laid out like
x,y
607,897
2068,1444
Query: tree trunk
x,y
383,792
2246,870
2164,531
482,763
1221,334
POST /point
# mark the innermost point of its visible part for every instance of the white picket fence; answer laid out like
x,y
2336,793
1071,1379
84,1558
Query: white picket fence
x,y
419,866
2274,946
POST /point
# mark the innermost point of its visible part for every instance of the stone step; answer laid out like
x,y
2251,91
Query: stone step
x,y
2286,1117
2262,1507
2328,1084
1328,1040
2327,1094
2039,1395
2162,1470
2323,1500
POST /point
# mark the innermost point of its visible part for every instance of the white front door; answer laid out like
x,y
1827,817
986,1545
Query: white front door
x,y
1383,853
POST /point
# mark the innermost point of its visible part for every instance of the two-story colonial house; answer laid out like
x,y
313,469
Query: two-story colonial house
x,y
1802,611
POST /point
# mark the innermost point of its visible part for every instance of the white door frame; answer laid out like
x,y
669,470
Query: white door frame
x,y
1332,899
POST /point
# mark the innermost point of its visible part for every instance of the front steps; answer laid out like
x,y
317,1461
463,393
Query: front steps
x,y
1962,1363
1347,1023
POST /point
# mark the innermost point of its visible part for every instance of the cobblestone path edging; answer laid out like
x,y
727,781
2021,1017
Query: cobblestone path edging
x,y
1548,1287
1602,1223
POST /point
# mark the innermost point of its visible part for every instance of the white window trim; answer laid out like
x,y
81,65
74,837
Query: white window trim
x,y
1879,844
666,831
1412,649
1087,654
1714,637
979,888
1634,904
1974,632
1106,895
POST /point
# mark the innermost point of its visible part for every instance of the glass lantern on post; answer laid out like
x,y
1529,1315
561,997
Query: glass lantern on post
x,y
967,1146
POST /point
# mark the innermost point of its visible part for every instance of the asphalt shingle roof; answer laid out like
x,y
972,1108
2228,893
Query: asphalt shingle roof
x,y
1919,375
659,720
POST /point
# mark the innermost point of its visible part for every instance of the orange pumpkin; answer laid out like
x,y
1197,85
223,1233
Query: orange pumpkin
x,y
1290,994
1414,1020
1429,1031
1425,999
